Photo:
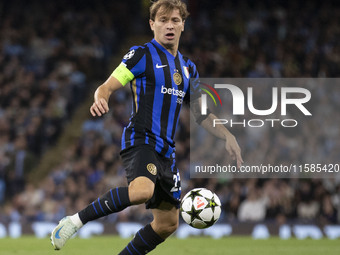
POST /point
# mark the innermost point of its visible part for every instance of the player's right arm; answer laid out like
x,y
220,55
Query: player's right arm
x,y
132,65
100,105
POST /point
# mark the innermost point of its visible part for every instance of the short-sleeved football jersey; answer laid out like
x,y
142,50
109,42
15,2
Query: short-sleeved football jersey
x,y
159,85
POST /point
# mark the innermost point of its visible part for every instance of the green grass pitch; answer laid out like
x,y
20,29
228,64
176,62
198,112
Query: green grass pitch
x,y
196,245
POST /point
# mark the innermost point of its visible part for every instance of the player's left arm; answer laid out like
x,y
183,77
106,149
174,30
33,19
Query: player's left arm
x,y
219,131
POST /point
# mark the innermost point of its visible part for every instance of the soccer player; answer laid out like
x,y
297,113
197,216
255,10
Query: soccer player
x,y
159,77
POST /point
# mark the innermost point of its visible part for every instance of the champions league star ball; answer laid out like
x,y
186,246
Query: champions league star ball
x,y
200,208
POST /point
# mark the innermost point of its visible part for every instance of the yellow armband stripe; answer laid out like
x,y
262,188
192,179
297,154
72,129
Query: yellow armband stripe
x,y
123,74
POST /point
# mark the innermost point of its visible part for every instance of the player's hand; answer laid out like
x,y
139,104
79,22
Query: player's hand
x,y
234,149
99,107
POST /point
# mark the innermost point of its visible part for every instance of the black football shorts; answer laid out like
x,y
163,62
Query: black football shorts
x,y
143,160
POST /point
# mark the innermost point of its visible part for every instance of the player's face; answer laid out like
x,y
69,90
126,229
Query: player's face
x,y
167,28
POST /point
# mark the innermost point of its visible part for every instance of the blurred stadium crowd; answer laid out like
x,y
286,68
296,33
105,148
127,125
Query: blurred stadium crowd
x,y
51,54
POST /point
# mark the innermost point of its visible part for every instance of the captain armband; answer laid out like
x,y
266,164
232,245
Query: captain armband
x,y
123,74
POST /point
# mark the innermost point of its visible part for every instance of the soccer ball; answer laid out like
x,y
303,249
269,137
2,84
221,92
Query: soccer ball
x,y
200,208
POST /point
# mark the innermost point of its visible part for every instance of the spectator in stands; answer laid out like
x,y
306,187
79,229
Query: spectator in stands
x,y
253,208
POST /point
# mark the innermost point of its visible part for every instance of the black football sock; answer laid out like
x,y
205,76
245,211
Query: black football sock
x,y
145,240
113,201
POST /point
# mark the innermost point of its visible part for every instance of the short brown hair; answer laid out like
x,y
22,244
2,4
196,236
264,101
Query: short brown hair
x,y
169,6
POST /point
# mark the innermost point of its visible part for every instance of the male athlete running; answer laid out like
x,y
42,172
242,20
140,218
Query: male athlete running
x,y
159,78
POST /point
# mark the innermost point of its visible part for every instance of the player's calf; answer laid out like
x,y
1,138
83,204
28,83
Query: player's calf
x,y
115,200
166,228
145,240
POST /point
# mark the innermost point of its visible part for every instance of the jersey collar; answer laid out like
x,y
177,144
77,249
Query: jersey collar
x,y
164,49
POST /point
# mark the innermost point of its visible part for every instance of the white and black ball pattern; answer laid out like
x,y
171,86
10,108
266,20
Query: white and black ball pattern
x,y
200,208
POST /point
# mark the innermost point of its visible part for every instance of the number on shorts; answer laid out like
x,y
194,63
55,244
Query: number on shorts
x,y
177,180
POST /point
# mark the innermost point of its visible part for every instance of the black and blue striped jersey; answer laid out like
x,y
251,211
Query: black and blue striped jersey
x,y
159,85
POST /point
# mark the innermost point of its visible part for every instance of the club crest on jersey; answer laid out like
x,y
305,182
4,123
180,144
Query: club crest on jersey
x,y
129,54
152,168
186,71
177,78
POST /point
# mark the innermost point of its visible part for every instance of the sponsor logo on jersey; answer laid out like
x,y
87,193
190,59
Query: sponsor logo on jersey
x,y
172,91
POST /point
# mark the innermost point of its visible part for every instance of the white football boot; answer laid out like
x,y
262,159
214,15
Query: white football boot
x,y
64,231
